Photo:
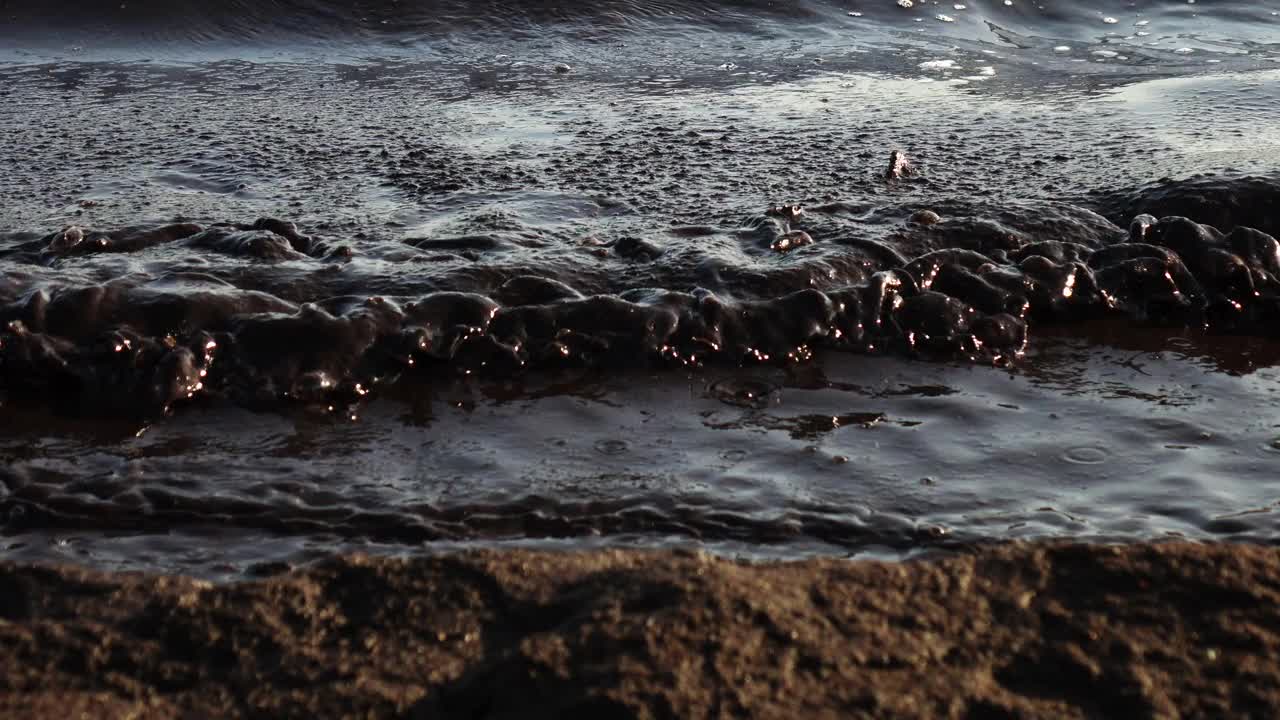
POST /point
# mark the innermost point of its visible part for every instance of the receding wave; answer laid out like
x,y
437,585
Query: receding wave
x,y
328,19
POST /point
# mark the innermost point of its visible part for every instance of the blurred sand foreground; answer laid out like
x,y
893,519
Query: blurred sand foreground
x,y
1034,631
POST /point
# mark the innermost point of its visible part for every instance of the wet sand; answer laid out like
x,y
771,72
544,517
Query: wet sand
x,y
1020,630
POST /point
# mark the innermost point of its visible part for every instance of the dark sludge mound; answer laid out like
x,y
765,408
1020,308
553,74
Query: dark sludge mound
x,y
129,346
1017,631
1225,201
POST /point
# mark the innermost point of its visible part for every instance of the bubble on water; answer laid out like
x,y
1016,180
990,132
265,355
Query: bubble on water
x,y
1185,50
1062,48
1273,446
905,3
1110,20
1105,53
67,240
962,6
855,13
945,18
612,447
1141,23
1085,455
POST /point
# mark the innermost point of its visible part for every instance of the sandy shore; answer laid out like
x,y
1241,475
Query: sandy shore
x,y
1034,631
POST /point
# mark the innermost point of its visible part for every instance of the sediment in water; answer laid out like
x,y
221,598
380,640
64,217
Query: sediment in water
x,y
1044,631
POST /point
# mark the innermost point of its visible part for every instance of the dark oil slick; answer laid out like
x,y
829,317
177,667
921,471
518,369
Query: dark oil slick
x,y
782,278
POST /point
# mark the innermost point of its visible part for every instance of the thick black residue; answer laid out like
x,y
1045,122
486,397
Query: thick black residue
x,y
971,289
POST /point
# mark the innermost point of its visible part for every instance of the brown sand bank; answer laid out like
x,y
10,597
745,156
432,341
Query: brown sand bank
x,y
1035,631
